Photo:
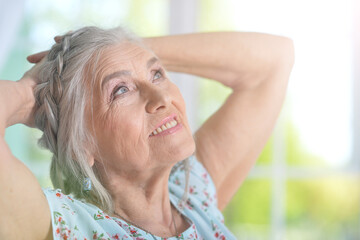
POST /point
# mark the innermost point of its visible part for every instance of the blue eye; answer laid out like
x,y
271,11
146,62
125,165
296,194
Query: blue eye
x,y
157,75
121,90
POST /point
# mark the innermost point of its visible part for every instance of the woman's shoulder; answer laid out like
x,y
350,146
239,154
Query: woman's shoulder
x,y
200,185
200,202
67,204
196,171
60,201
76,219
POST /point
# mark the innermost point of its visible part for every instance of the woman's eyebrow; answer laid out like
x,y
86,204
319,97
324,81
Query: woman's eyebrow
x,y
114,75
151,61
120,73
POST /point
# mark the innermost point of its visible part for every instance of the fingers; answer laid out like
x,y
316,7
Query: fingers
x,y
58,37
34,71
35,58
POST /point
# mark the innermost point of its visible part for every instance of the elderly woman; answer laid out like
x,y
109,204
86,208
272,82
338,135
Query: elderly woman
x,y
125,164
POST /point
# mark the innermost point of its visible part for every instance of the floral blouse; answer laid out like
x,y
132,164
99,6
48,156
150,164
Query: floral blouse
x,y
78,220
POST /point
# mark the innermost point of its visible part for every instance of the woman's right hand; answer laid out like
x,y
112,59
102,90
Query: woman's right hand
x,y
30,80
37,57
28,83
17,100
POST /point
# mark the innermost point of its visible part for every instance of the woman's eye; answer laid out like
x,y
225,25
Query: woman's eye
x,y
157,75
121,90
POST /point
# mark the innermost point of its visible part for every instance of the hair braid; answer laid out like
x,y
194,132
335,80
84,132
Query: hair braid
x,y
48,96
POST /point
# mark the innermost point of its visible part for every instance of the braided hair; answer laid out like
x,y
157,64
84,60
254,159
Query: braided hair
x,y
61,105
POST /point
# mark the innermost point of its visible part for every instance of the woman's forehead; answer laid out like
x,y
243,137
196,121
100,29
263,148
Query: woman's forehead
x,y
124,53
124,57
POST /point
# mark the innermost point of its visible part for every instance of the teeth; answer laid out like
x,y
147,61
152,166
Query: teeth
x,y
163,127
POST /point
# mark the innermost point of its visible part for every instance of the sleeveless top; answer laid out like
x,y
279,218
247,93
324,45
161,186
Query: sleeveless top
x,y
78,220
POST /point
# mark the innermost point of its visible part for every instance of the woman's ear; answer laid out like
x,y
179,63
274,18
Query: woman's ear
x,y
91,161
90,156
92,151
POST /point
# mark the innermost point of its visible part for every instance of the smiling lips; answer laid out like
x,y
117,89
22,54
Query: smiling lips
x,y
168,125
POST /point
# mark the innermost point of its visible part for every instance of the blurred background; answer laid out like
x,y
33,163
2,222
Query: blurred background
x,y
306,183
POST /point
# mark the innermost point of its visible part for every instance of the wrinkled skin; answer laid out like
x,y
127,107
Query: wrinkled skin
x,y
123,123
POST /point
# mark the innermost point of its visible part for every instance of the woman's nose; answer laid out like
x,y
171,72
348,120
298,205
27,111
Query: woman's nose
x,y
157,99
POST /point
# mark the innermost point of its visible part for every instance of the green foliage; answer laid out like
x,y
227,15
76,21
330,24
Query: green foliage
x,y
211,96
35,152
265,157
325,201
296,154
250,205
149,18
318,206
222,21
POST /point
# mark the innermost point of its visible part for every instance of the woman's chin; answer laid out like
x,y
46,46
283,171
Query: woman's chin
x,y
184,151
176,153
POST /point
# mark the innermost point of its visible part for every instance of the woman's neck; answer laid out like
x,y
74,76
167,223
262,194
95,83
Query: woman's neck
x,y
143,199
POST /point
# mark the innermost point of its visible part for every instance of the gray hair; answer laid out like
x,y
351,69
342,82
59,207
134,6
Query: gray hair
x,y
62,101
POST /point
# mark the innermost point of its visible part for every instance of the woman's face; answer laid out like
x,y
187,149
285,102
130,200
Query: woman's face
x,y
132,97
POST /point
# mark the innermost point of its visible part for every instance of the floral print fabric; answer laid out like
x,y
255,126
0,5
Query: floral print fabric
x,y
77,220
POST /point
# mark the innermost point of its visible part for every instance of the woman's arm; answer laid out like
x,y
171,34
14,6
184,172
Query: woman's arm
x,y
235,59
257,67
24,210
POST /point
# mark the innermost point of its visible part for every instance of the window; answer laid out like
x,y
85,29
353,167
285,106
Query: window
x,y
306,173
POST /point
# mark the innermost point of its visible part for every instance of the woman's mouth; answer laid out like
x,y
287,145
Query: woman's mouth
x,y
167,128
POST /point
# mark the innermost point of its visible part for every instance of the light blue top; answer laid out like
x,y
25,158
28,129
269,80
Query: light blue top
x,y
76,219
